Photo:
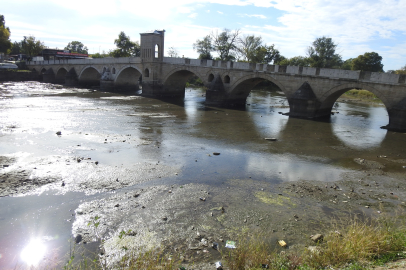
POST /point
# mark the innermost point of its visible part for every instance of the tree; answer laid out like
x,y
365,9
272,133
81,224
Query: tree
x,y
402,70
31,46
370,61
77,47
173,52
322,53
204,47
347,64
5,43
225,44
295,61
126,47
250,47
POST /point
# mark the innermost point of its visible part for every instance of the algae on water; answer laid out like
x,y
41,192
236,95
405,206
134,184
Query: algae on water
x,y
268,198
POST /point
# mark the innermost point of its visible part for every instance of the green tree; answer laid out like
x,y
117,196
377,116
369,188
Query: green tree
x,y
77,47
126,47
5,43
204,47
249,47
402,70
295,61
225,44
347,64
370,61
322,53
31,46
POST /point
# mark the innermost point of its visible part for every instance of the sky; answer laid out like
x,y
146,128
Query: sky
x,y
291,25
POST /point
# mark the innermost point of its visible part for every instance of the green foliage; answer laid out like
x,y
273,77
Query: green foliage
x,y
347,64
125,47
251,49
225,44
16,48
204,47
401,70
31,46
77,47
295,61
370,61
322,53
5,43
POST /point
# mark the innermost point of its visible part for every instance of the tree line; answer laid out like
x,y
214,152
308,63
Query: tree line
x,y
233,46
228,45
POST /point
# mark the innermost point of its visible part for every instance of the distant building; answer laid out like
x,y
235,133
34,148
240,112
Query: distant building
x,y
55,54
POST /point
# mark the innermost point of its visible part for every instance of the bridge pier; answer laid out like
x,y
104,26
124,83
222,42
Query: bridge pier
x,y
216,93
71,78
158,90
48,76
397,117
304,104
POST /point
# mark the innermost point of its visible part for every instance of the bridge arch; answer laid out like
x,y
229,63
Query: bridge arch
x,y
127,78
330,97
175,81
60,75
43,70
238,91
89,76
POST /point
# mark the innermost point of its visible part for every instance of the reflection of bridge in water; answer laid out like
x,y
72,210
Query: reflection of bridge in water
x,y
311,92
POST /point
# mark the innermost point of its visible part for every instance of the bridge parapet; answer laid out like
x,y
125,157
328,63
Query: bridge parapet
x,y
94,61
376,77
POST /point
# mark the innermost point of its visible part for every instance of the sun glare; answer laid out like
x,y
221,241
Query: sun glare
x,y
33,252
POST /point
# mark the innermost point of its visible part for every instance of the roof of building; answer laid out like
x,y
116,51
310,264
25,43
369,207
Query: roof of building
x,y
156,32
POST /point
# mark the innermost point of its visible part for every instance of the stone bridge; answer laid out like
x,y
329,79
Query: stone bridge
x,y
311,92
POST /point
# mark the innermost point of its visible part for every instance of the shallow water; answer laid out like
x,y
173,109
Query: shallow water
x,y
126,131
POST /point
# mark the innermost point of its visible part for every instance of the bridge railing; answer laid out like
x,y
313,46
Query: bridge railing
x,y
90,61
377,77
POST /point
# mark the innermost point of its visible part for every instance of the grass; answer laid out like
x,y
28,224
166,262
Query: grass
x,y
361,94
351,245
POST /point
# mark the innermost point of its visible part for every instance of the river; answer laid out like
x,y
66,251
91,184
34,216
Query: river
x,y
112,145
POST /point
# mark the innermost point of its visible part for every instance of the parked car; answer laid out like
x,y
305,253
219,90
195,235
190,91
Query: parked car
x,y
8,66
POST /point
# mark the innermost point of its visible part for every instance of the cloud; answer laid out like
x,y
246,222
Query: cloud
x,y
220,12
253,15
183,9
193,15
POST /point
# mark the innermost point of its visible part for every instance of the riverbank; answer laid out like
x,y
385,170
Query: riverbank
x,y
19,76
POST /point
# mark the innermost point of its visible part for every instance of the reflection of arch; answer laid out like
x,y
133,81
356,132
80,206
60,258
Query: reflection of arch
x,y
60,75
226,79
127,78
210,78
89,76
146,73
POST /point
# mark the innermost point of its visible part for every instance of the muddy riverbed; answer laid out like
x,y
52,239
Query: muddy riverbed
x,y
179,175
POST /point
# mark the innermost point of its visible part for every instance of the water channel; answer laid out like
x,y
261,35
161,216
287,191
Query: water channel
x,y
112,145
